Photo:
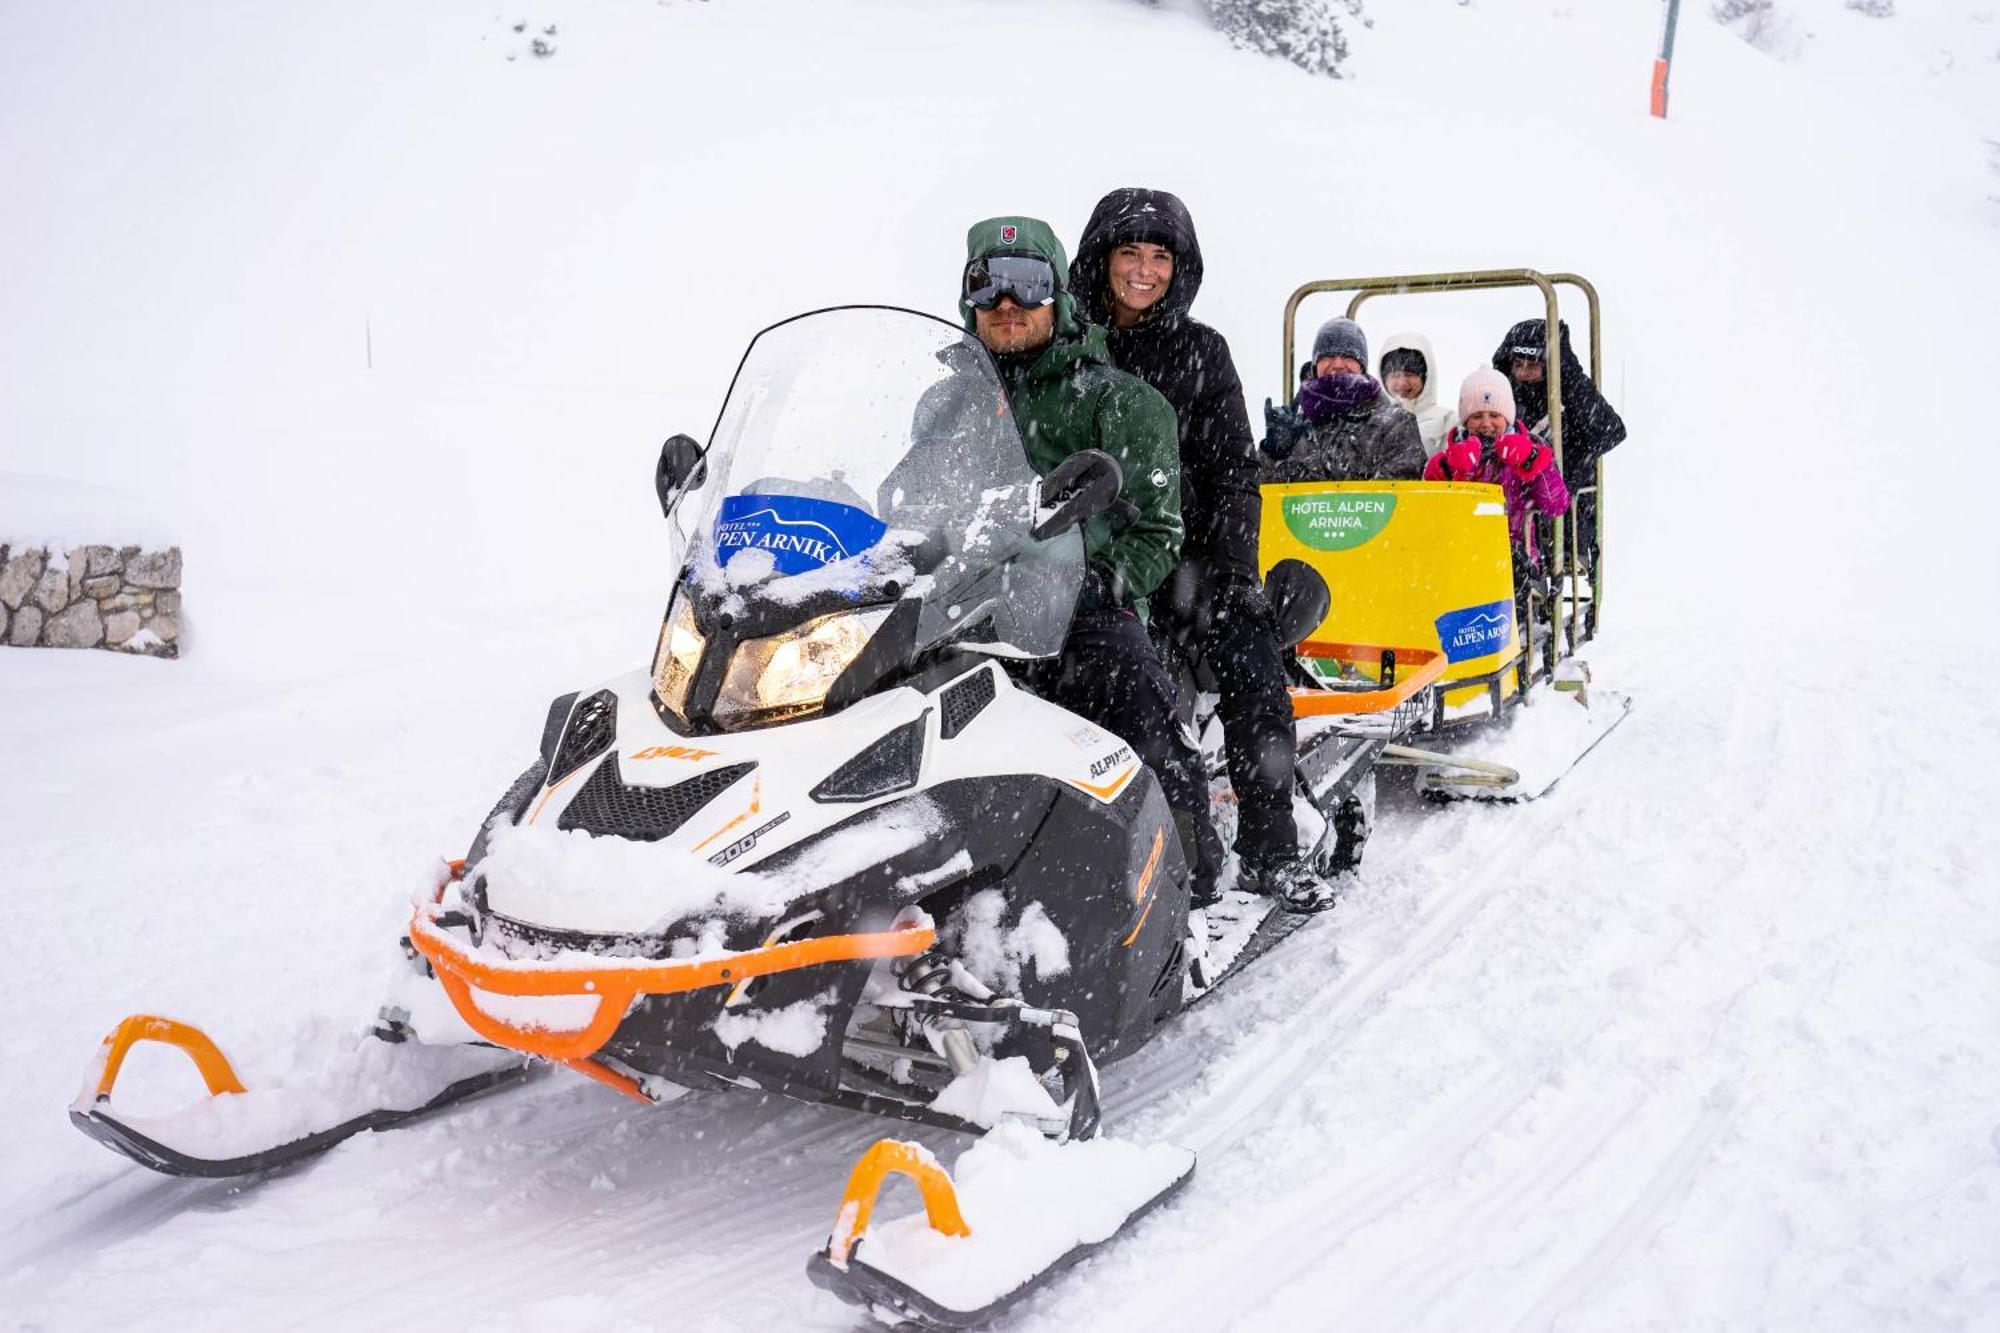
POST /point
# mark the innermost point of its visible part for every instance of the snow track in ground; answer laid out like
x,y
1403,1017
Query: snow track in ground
x,y
1479,1093
1701,1041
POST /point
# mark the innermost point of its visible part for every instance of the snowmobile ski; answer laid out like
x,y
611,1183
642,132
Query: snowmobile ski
x,y
1017,1211
238,1132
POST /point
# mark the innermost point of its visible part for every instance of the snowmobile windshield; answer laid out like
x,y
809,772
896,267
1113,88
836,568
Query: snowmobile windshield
x,y
868,454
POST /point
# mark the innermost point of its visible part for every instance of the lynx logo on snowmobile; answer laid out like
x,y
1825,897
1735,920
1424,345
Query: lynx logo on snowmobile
x,y
747,841
1338,522
800,532
687,752
1475,631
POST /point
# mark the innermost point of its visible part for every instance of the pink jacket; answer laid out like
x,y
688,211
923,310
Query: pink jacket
x,y
1530,479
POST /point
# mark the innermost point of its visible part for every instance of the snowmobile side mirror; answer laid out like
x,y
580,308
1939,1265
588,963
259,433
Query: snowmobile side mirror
x,y
1299,599
1083,485
681,466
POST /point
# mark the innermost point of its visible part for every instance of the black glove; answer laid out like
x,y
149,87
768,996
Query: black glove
x,y
1098,596
1282,428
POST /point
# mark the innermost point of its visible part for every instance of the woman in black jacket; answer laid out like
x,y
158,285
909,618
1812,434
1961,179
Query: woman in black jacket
x,y
1137,270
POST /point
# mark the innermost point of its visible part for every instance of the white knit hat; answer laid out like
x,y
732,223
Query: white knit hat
x,y
1486,390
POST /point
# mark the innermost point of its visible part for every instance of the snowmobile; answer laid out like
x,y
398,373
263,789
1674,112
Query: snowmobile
x,y
826,846
1430,562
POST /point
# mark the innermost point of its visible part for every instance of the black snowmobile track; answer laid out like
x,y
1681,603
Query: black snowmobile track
x,y
1273,930
120,1137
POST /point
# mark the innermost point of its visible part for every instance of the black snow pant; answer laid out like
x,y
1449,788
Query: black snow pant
x,y
1258,739
1584,515
1109,674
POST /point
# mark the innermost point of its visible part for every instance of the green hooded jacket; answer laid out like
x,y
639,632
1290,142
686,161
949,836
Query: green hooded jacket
x,y
1071,398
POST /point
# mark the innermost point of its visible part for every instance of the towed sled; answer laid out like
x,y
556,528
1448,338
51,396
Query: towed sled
x,y
826,847
1430,563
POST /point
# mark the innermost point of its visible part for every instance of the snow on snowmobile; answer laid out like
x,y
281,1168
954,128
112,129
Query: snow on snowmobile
x,y
825,847
1430,562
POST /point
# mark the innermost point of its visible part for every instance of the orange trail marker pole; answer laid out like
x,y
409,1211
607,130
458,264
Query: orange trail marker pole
x,y
1665,60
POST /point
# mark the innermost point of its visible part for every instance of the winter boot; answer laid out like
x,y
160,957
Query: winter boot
x,y
1293,882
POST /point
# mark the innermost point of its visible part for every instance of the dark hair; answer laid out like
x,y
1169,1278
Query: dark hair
x,y
1405,358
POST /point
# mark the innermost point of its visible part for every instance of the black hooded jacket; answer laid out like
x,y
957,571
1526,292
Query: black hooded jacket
x,y
1590,426
1189,363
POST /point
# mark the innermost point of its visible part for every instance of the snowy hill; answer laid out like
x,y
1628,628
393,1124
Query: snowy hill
x,y
386,316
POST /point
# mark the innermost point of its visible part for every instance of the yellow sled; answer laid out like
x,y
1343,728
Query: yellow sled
x,y
1429,563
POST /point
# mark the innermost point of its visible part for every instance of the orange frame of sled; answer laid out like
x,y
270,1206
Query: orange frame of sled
x,y
864,1184
208,1058
1429,665
616,985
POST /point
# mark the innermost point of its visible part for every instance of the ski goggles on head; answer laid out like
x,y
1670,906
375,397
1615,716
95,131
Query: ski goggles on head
x,y
1029,279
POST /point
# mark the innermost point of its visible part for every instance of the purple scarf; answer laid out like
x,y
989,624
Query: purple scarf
x,y
1331,396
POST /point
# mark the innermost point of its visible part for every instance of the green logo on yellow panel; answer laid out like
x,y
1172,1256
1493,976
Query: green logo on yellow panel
x,y
1338,522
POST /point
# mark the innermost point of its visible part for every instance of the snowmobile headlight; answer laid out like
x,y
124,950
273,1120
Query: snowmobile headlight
x,y
679,654
788,674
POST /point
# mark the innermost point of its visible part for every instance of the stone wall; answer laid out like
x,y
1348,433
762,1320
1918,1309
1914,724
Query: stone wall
x,y
122,598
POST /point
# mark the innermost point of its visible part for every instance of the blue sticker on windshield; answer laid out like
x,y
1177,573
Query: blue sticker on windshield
x,y
801,533
1475,631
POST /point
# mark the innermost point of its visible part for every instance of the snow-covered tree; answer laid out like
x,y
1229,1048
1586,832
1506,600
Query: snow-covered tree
x,y
1304,32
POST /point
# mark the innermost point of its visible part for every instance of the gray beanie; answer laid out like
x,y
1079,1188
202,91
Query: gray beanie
x,y
1341,337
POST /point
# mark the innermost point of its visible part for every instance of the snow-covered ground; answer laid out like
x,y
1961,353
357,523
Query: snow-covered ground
x,y
1704,1040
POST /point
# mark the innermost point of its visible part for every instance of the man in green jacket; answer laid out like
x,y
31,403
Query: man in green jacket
x,y
1066,396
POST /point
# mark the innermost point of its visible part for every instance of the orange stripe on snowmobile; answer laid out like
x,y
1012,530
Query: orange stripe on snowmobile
x,y
1144,885
615,985
208,1058
1140,889
1429,664
900,1157
1127,943
756,804
1109,789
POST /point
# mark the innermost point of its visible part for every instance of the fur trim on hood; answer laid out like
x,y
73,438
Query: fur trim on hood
x,y
1434,419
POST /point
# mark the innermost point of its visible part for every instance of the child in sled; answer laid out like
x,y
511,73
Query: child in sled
x,y
1491,446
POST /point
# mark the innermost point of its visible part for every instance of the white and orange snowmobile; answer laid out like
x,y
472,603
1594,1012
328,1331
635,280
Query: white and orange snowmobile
x,y
826,847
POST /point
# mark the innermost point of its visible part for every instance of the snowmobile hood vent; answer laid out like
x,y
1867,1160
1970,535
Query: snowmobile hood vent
x,y
607,807
593,725
888,765
965,700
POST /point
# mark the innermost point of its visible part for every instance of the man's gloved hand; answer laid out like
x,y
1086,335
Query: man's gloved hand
x,y
1282,428
1527,459
1098,596
1462,456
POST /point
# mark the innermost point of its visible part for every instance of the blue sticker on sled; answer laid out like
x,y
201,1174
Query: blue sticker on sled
x,y
801,533
1475,631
